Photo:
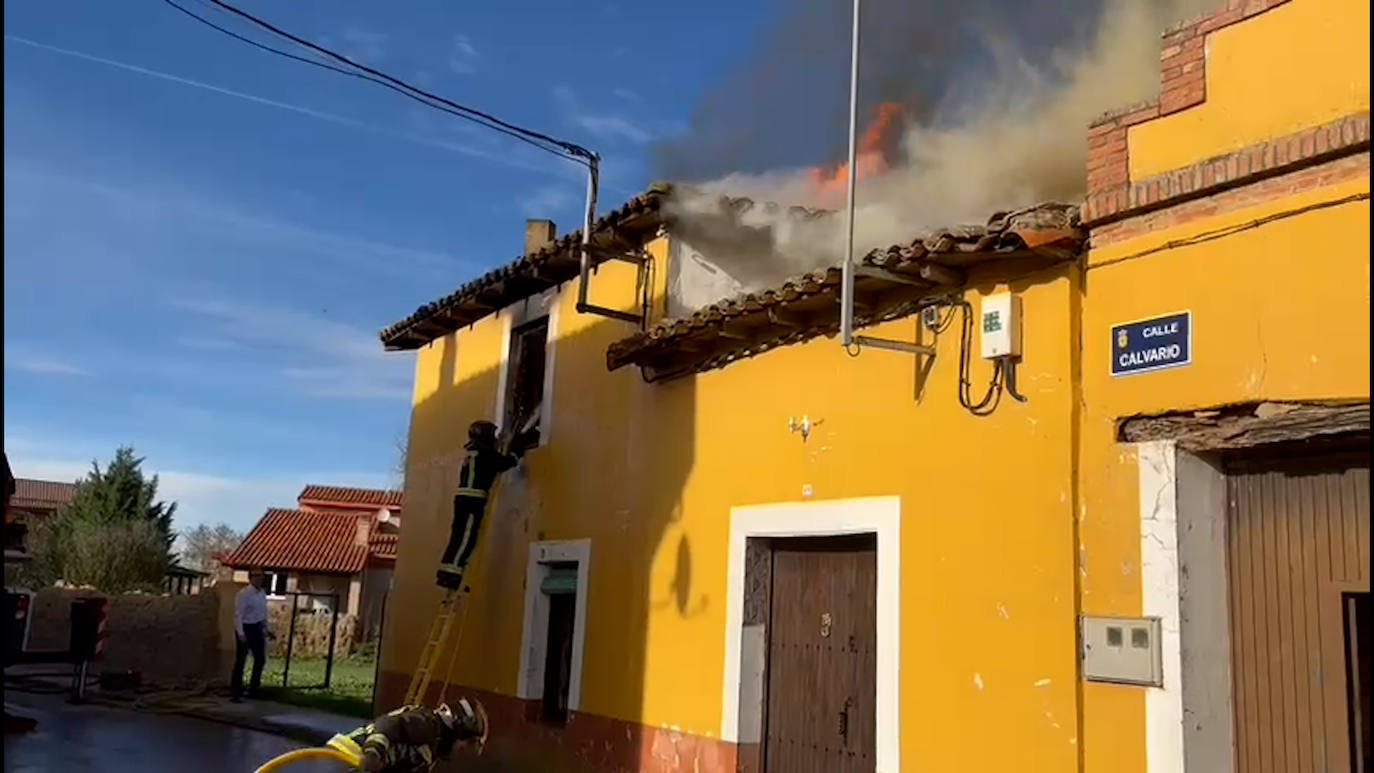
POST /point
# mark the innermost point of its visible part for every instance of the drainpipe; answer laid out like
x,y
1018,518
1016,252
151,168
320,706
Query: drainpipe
x,y
583,307
592,168
847,272
847,337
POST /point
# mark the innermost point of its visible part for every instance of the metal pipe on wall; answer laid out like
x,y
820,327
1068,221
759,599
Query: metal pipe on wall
x,y
593,172
583,307
847,269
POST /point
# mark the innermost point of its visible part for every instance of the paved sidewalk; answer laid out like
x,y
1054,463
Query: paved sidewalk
x,y
308,726
101,739
303,724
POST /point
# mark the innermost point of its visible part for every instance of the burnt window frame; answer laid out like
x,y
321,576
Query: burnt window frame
x,y
515,407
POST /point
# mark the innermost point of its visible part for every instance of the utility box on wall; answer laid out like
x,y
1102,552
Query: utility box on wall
x,y
1122,649
1001,328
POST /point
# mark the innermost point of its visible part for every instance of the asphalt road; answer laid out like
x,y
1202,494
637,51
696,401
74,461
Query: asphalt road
x,y
109,740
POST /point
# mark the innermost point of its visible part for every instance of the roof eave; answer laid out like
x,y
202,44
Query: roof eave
x,y
891,283
529,275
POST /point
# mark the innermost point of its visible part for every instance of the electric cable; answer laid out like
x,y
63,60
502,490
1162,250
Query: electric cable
x,y
992,397
943,324
476,117
1009,378
569,150
1218,233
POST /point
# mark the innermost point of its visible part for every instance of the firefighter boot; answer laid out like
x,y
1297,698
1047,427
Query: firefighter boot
x,y
450,576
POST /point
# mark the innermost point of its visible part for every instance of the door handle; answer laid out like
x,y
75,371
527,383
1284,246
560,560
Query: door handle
x,y
844,721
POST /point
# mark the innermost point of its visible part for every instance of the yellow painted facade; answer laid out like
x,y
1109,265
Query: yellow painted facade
x,y
650,473
1011,525
1280,310
1301,64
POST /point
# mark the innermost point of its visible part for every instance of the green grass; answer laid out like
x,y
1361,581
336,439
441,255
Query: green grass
x,y
350,684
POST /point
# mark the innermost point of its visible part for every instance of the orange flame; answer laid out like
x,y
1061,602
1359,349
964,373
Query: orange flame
x,y
869,153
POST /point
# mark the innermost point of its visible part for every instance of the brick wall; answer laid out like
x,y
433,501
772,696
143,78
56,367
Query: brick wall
x,y
1113,195
1321,175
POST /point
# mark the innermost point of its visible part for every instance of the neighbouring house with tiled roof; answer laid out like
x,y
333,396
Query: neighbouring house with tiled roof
x,y
10,555
1091,494
338,544
33,502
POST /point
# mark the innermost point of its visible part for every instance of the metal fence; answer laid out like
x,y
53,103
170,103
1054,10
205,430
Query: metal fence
x,y
295,608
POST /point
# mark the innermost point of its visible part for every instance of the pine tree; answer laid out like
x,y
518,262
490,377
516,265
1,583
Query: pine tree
x,y
120,494
114,535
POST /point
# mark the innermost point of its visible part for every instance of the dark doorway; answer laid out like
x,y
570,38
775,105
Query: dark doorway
x,y
1357,648
560,586
822,656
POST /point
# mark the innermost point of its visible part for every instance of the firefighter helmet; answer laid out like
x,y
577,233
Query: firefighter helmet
x,y
482,431
467,720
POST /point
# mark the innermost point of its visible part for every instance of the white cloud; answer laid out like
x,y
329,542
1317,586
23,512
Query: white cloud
x,y
474,152
252,323
612,126
626,94
363,46
462,58
547,200
346,383
605,126
178,212
208,343
328,359
46,366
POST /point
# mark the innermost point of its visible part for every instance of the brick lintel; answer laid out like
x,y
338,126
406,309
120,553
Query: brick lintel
x,y
1277,156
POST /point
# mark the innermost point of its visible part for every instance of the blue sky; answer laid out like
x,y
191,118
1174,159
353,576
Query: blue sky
x,y
202,240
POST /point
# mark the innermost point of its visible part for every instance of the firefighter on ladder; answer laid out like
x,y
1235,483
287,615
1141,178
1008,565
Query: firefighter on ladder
x,y
413,739
485,461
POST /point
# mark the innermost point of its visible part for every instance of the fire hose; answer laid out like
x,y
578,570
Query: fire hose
x,y
330,752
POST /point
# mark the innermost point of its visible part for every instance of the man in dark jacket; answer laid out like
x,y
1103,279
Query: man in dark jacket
x,y
485,461
412,739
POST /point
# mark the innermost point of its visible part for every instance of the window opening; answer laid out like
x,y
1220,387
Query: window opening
x,y
525,379
276,583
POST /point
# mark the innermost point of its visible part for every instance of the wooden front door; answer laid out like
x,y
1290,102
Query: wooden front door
x,y
822,665
1297,554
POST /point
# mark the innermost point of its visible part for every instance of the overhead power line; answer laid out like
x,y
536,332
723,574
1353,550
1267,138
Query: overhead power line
x,y
555,150
537,139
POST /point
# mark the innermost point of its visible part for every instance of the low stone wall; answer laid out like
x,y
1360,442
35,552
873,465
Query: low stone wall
x,y
311,631
170,640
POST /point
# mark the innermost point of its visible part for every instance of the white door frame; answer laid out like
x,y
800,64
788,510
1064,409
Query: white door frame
x,y
530,682
877,515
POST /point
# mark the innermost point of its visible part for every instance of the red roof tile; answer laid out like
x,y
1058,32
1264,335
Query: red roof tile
x,y
344,495
383,545
526,275
805,307
302,540
42,494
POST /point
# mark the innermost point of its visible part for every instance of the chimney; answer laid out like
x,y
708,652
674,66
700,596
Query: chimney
x,y
538,234
364,530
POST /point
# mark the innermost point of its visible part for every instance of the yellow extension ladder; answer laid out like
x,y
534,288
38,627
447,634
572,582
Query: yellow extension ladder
x,y
449,608
452,604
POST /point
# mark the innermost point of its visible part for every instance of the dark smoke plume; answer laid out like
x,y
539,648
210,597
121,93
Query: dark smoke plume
x,y
1002,92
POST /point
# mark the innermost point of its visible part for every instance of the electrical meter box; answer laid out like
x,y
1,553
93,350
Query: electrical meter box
x,y
1122,649
1001,328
